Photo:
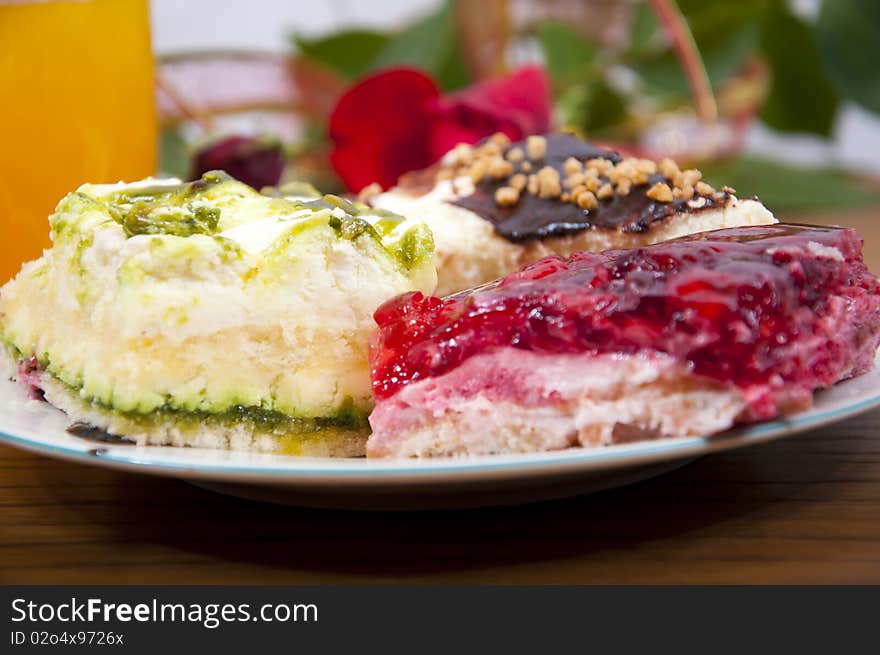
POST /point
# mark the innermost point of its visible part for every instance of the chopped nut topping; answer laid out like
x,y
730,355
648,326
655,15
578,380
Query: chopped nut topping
x,y
683,193
548,183
704,189
506,195
536,147
572,166
500,139
688,177
578,190
593,184
584,183
518,181
490,149
639,178
477,171
600,164
728,189
660,192
532,185
646,166
463,154
369,191
668,168
625,169
587,200
573,180
499,168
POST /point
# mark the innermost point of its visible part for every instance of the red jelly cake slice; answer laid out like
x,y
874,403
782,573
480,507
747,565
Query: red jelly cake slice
x,y
681,338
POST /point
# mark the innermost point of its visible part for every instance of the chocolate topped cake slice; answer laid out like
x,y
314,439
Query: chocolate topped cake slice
x,y
497,206
675,339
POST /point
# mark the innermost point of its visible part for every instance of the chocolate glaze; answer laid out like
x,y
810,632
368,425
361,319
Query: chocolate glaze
x,y
538,218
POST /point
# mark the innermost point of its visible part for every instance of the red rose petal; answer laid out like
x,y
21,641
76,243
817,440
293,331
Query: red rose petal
x,y
396,121
517,104
381,128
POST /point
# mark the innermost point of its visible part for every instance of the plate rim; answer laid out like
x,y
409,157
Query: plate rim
x,y
331,471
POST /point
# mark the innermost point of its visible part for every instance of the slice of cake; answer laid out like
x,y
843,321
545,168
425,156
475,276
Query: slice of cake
x,y
206,314
497,206
676,339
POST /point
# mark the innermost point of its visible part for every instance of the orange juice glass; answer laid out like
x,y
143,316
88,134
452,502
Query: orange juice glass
x,y
76,105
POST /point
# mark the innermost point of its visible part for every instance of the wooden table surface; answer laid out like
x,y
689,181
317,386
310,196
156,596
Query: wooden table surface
x,y
800,510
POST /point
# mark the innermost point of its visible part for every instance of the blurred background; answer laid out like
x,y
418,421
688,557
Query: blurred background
x,y
777,98
790,81
851,139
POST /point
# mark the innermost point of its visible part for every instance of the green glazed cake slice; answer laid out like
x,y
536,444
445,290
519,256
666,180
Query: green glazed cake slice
x,y
206,314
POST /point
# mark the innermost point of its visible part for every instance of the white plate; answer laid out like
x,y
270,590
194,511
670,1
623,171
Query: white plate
x,y
411,484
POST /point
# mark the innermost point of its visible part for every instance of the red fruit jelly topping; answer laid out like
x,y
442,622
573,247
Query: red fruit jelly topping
x,y
766,309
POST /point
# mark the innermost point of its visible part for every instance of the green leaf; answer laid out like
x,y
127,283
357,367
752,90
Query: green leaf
x,y
644,30
802,98
710,19
453,74
604,108
430,44
848,36
726,34
174,157
723,57
585,100
571,106
348,53
786,188
593,108
569,57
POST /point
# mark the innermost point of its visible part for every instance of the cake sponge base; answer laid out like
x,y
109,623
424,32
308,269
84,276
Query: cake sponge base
x,y
196,432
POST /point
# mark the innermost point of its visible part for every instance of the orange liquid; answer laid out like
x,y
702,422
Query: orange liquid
x,y
76,105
